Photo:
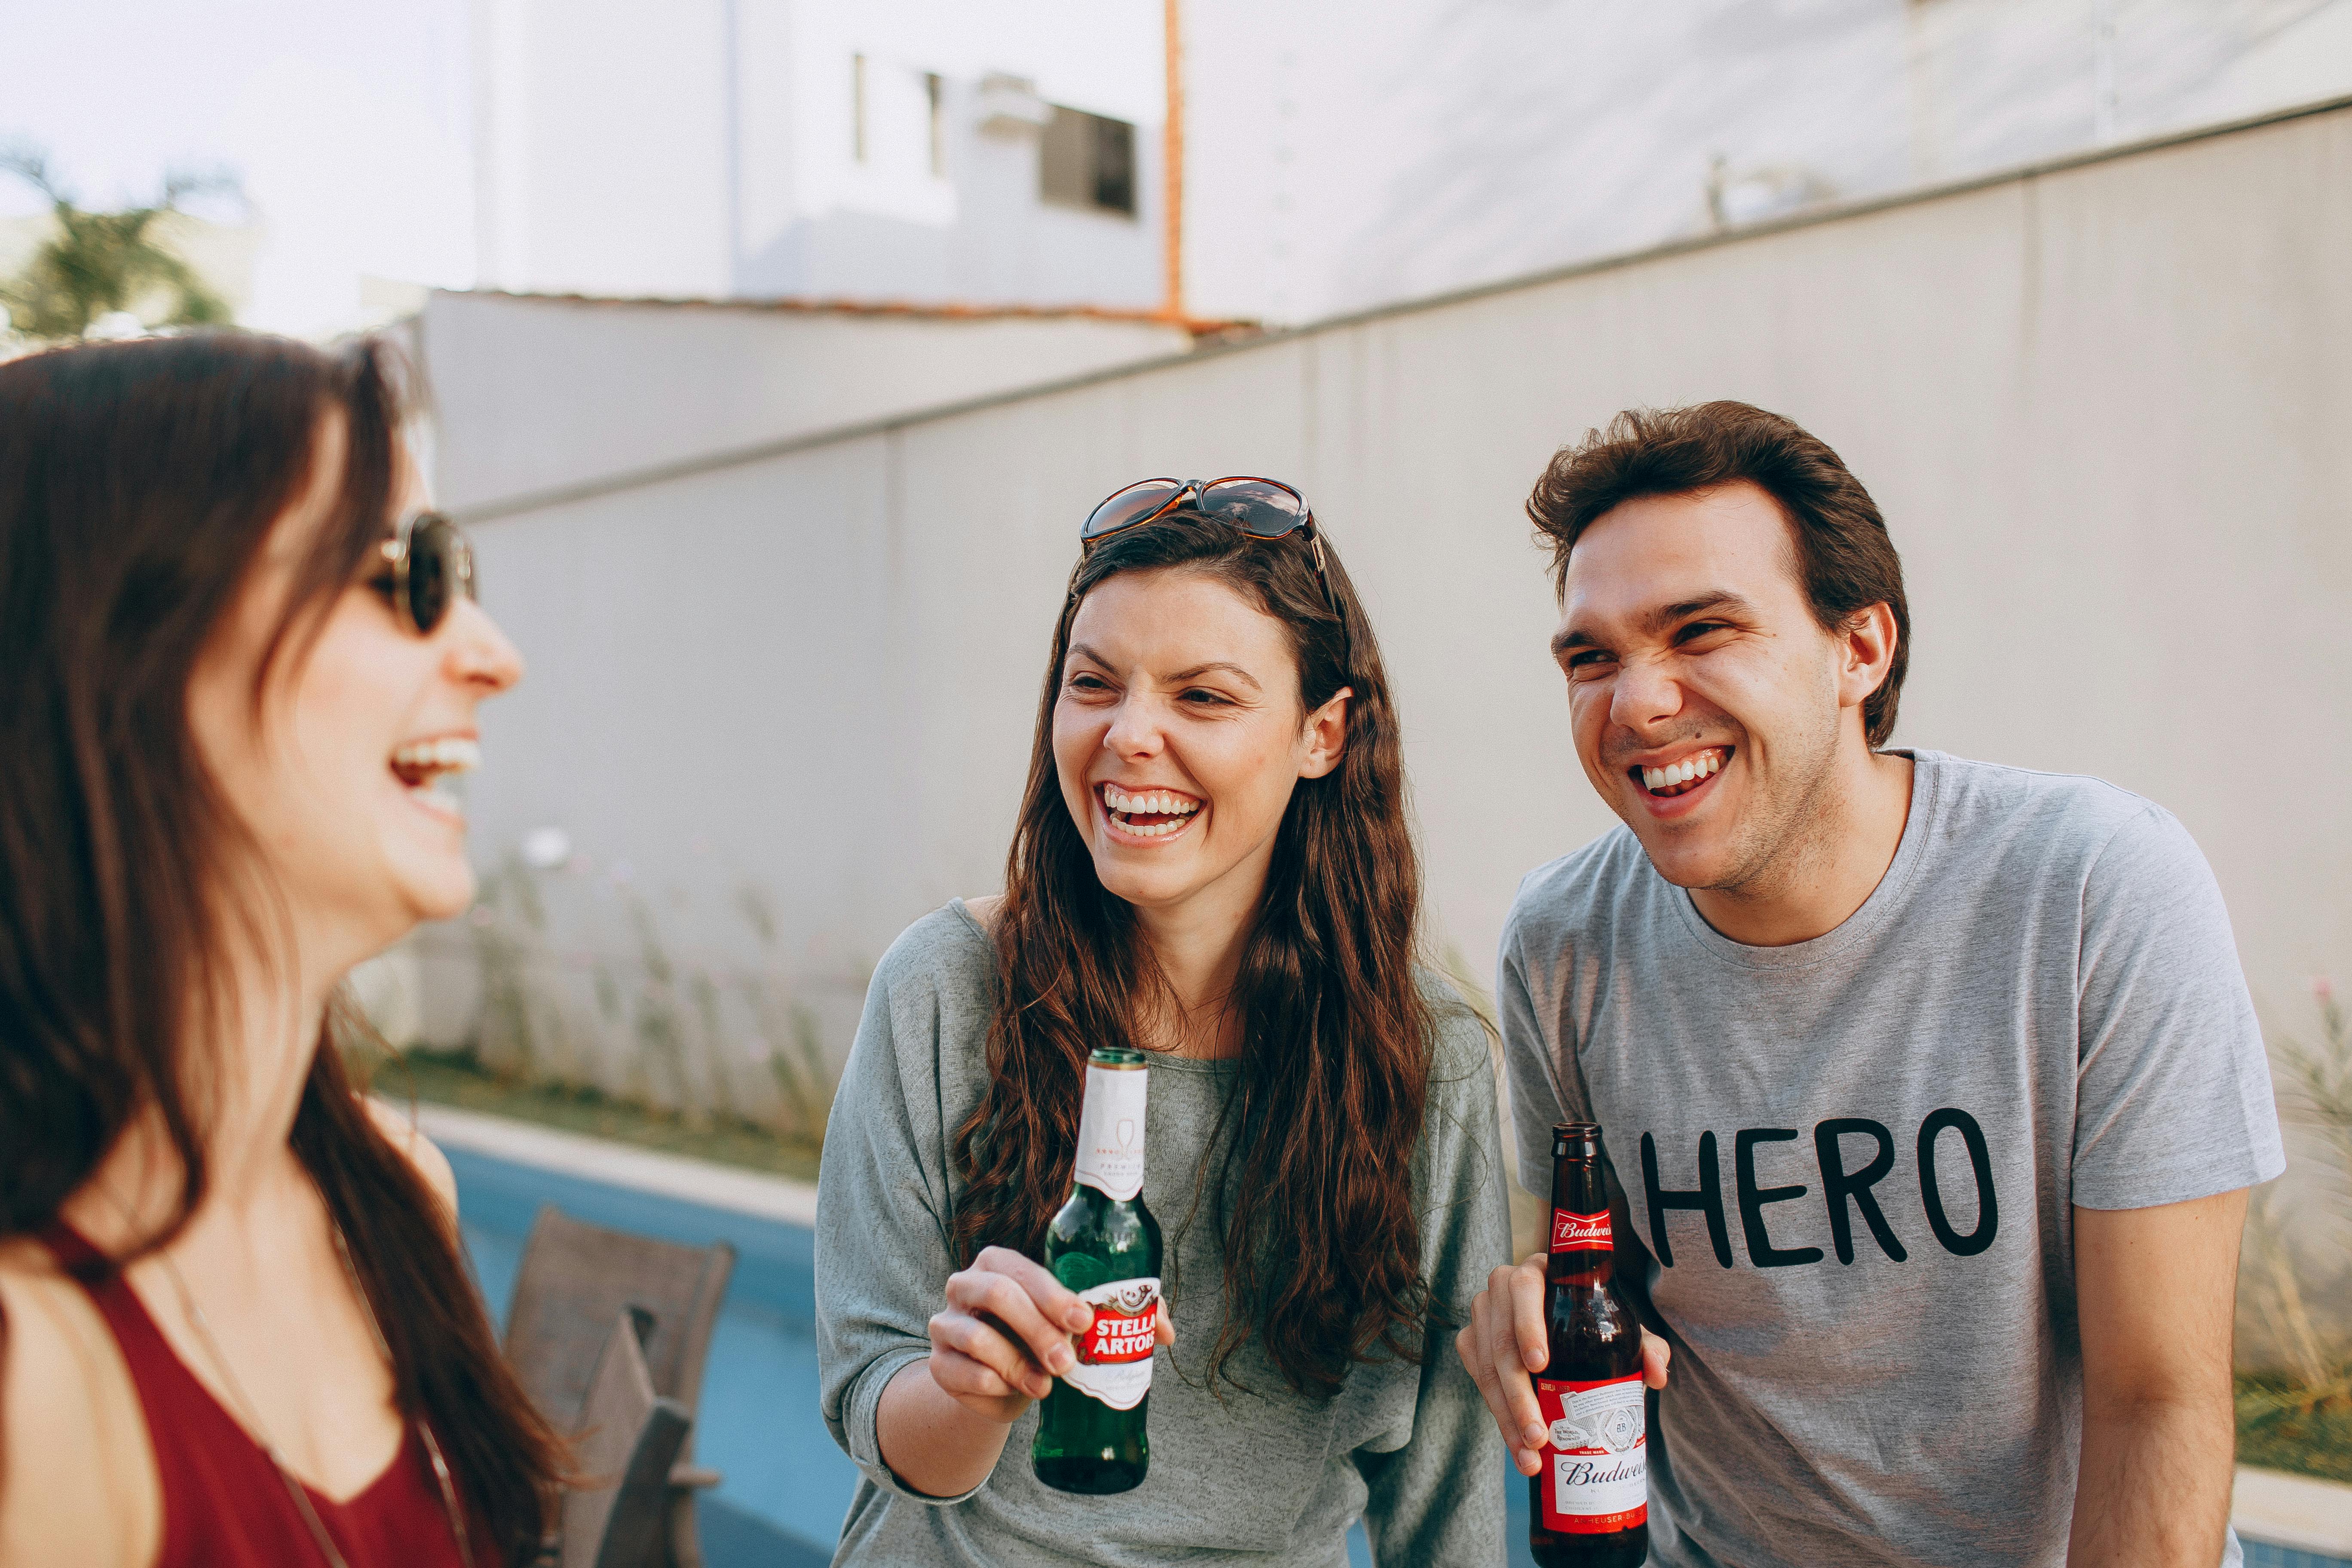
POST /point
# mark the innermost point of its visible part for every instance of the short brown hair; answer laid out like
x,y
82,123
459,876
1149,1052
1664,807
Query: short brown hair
x,y
1844,559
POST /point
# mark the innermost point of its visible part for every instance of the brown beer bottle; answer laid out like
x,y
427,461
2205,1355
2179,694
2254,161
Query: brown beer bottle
x,y
1590,1504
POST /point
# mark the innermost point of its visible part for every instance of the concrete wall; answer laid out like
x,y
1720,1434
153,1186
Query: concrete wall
x,y
2104,408
533,393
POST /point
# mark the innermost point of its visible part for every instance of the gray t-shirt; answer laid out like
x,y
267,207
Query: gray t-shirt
x,y
1851,1164
1263,1477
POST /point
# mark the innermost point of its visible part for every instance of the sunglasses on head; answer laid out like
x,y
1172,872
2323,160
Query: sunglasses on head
x,y
1262,508
422,568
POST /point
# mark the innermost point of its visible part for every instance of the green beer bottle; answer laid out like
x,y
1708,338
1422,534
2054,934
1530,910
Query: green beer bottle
x,y
1105,1244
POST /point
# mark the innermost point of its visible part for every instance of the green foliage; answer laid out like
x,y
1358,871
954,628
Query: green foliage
x,y
2299,1416
98,262
2285,1424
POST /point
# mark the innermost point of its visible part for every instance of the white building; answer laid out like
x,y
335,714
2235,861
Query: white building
x,y
918,151
1335,157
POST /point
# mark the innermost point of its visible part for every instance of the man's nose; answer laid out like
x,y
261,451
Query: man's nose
x,y
1644,694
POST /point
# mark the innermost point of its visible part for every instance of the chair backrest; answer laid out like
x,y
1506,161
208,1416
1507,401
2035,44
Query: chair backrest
x,y
628,1438
576,1277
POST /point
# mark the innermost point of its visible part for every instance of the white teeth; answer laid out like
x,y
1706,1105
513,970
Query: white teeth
x,y
1151,803
449,754
1699,765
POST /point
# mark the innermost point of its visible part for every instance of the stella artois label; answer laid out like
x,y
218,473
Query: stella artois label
x,y
1110,1130
1597,1455
1115,1355
1580,1232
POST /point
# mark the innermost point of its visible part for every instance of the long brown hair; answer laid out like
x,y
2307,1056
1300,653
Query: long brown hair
x,y
138,482
1315,1194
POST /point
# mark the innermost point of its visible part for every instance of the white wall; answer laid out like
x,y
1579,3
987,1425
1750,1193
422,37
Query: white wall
x,y
1377,156
2103,409
536,393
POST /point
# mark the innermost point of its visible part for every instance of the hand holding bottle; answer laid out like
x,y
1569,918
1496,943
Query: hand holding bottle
x,y
1006,1332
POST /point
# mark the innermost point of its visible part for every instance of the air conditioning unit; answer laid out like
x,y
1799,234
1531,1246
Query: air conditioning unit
x,y
1009,106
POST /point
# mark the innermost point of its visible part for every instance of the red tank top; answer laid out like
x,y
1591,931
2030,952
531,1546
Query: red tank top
x,y
224,1503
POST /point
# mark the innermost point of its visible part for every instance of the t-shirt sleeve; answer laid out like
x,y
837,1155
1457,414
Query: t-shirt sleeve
x,y
882,1247
2173,1090
1545,1087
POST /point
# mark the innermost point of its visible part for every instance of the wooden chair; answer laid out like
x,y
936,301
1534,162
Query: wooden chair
x,y
628,1439
575,1280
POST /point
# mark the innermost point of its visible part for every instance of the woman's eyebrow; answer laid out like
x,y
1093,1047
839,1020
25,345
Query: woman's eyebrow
x,y
1197,670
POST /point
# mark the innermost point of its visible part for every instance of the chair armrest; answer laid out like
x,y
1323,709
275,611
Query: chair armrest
x,y
694,1476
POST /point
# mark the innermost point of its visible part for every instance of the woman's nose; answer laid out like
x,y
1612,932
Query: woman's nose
x,y
1134,730
479,653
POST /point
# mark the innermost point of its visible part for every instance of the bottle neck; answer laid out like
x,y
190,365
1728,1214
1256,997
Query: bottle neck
x,y
1111,1130
1582,1246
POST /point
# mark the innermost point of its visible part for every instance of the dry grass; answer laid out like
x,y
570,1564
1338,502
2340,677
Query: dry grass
x,y
454,1078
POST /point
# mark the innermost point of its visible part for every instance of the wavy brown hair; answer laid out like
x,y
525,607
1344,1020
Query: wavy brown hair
x,y
138,484
1314,1194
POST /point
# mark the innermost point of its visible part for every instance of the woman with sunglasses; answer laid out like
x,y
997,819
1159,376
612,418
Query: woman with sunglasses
x,y
1212,863
234,1326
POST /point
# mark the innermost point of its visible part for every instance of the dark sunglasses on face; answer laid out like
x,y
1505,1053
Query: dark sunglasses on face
x,y
422,568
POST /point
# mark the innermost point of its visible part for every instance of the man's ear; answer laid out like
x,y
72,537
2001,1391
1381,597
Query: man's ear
x,y
1327,735
1866,654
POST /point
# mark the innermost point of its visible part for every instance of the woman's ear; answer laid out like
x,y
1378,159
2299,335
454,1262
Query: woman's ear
x,y
1326,735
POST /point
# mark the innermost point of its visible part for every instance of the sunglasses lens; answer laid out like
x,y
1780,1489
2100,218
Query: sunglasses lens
x,y
1130,505
439,567
1259,507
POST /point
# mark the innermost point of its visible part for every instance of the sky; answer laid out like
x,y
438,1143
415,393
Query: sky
x,y
347,124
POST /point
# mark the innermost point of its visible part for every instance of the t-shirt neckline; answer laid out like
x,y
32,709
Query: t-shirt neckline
x,y
1926,781
1162,1060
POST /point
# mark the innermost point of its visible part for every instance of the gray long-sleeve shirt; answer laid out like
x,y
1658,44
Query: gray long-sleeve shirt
x,y
1264,1476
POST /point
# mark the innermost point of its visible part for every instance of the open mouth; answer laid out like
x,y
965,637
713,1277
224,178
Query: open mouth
x,y
1149,813
422,765
1681,776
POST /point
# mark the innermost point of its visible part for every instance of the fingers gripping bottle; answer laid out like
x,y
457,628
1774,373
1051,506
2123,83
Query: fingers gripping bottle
x,y
1105,1244
1591,1501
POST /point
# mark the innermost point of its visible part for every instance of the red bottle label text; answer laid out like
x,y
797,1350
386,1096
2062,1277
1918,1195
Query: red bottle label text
x,y
1580,1232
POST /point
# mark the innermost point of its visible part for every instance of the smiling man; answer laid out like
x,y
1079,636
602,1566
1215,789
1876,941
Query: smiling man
x,y
1932,1088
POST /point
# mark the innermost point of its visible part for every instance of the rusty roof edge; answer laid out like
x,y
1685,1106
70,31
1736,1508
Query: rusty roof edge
x,y
1197,326
1839,212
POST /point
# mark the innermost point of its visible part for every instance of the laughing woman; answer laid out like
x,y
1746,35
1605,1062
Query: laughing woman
x,y
1212,864
235,1328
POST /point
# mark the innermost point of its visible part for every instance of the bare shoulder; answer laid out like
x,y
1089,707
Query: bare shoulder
x,y
80,1483
400,1128
984,909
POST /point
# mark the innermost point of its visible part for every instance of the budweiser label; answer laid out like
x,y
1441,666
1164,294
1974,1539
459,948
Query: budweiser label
x,y
1597,1454
1110,1131
1115,1354
1580,1232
